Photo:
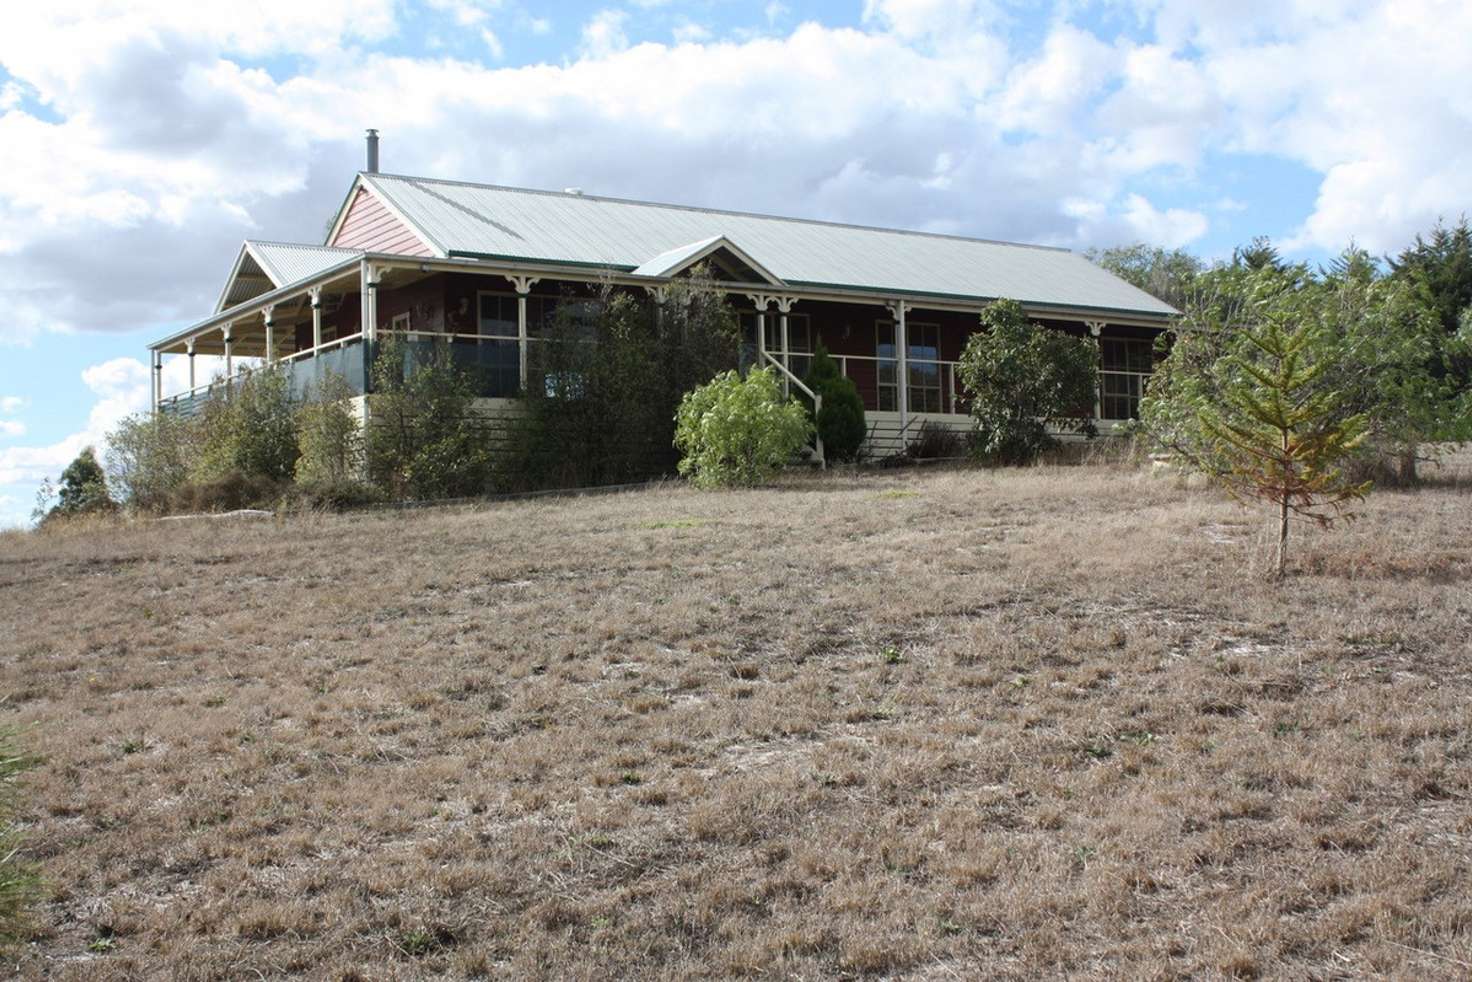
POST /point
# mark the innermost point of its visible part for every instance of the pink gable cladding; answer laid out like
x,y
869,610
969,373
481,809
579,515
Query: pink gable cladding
x,y
371,227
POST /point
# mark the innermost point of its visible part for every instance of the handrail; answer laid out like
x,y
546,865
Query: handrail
x,y
817,406
319,349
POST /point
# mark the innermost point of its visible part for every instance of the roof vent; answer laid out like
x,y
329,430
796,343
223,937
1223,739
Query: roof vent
x,y
373,151
572,190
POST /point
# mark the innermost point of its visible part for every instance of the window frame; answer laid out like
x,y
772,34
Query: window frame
x,y
1122,388
887,393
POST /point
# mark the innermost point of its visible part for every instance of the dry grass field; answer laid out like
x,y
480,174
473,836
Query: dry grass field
x,y
930,725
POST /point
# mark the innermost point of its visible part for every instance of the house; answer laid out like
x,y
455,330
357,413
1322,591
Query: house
x,y
484,266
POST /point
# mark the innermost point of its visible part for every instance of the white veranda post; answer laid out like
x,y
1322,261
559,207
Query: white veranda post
x,y
901,362
784,307
1096,328
158,379
372,277
315,295
761,328
228,334
189,350
269,316
523,286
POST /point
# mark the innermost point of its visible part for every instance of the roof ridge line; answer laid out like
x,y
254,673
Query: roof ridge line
x,y
721,211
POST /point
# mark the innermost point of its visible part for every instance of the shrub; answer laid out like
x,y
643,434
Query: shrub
x,y
1023,380
840,422
423,438
331,467
737,431
252,430
934,441
607,378
229,491
149,458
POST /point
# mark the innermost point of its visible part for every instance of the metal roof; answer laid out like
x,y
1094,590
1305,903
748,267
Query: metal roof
x,y
265,266
487,221
676,260
288,262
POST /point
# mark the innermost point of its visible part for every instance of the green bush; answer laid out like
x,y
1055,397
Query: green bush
x,y
1024,380
1375,337
331,470
840,422
606,379
149,458
739,432
423,437
251,431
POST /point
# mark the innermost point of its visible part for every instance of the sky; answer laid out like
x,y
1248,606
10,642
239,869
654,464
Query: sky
x,y
141,141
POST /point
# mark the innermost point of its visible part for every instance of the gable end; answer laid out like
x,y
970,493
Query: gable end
x,y
369,225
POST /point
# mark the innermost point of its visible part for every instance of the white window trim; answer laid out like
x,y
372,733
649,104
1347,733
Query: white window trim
x,y
910,361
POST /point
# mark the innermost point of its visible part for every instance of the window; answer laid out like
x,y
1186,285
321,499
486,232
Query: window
x,y
497,355
888,368
922,363
399,324
1124,365
799,339
497,316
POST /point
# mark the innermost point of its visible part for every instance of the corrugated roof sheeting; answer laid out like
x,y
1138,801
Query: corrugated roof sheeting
x,y
674,259
561,227
287,262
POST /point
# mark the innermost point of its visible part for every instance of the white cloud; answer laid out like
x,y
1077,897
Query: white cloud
x,y
10,405
916,19
12,513
121,387
493,43
1171,228
10,95
1373,96
604,35
12,428
466,13
689,32
165,137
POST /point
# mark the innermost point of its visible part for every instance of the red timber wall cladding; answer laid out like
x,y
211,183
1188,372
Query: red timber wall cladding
x,y
373,228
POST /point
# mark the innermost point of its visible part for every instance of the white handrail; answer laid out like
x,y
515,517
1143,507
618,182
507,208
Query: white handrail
x,y
817,406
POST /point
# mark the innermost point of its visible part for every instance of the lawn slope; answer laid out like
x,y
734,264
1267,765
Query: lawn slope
x,y
932,725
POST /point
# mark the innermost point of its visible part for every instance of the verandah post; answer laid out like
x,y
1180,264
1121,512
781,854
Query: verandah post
x,y
902,368
315,295
784,306
1096,328
269,316
523,287
227,332
189,350
158,379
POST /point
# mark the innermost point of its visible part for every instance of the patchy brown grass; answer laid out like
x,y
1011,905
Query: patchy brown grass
x,y
927,724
